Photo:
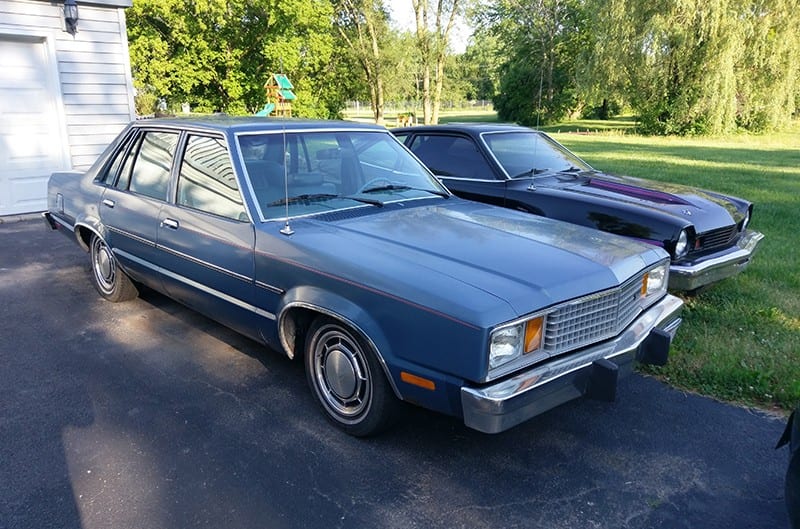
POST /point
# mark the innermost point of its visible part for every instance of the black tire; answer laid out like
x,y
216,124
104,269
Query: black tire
x,y
108,278
347,380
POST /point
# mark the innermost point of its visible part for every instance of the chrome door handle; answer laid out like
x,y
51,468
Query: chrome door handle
x,y
108,202
170,223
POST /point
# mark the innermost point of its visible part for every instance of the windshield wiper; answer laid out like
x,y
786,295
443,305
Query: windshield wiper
x,y
401,187
365,200
530,172
302,198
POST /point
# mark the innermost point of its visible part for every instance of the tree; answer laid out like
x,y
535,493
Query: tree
x,y
700,66
432,40
364,25
543,41
480,65
217,54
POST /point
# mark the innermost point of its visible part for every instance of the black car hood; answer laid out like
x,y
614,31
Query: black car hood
x,y
705,210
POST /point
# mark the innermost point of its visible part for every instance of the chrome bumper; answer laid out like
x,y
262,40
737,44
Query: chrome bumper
x,y
501,405
716,267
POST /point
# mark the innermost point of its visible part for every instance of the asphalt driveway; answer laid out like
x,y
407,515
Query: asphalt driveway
x,y
147,415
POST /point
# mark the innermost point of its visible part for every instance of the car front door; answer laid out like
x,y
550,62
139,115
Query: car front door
x,y
206,237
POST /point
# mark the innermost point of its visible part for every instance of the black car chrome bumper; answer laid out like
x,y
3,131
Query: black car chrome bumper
x,y
717,266
501,405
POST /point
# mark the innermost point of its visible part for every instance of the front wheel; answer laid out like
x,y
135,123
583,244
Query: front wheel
x,y
109,280
345,376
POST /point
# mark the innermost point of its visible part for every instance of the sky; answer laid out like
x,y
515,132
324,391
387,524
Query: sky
x,y
402,13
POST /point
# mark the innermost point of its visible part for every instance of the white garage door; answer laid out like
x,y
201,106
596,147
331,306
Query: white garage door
x,y
31,143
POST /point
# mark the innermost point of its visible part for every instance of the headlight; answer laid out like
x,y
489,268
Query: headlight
x,y
509,343
506,346
655,281
682,246
746,221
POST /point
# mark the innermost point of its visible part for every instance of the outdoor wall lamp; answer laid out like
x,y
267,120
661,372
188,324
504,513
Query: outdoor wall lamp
x,y
71,16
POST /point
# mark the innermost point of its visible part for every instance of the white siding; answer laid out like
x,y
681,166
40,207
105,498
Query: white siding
x,y
89,74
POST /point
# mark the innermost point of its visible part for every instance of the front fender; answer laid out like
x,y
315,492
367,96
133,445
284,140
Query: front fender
x,y
302,299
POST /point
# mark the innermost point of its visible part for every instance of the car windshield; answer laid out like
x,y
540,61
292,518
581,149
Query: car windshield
x,y
526,154
304,173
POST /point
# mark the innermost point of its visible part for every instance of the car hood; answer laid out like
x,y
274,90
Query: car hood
x,y
704,209
473,257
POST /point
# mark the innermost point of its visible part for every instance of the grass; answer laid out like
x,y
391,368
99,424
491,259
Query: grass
x,y
740,340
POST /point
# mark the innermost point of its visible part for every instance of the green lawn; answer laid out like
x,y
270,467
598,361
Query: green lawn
x,y
740,340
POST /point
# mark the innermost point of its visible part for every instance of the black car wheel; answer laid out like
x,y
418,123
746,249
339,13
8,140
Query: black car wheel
x,y
347,380
109,280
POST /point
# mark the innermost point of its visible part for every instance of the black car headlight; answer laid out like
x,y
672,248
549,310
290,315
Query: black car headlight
x,y
682,245
746,220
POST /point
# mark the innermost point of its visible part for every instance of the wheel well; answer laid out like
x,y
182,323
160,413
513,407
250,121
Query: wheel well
x,y
293,327
84,236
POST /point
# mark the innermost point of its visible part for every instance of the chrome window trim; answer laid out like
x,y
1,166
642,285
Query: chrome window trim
x,y
219,136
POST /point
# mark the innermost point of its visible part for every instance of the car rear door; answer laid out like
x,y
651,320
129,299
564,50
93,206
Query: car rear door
x,y
137,181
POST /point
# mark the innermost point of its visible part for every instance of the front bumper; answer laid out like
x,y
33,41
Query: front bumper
x,y
501,405
716,266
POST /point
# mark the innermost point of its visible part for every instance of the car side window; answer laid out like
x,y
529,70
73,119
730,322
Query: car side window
x,y
151,169
451,156
207,182
109,177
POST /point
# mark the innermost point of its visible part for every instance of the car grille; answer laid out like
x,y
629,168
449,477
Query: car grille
x,y
592,319
717,238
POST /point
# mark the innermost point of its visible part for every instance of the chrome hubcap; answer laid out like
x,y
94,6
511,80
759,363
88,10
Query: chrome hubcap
x,y
341,373
104,266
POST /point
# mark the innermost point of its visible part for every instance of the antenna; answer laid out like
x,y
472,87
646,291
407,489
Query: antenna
x,y
538,116
286,230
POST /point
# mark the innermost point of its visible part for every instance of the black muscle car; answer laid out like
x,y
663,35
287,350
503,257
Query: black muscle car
x,y
704,232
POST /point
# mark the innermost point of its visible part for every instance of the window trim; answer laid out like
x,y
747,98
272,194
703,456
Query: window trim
x,y
179,160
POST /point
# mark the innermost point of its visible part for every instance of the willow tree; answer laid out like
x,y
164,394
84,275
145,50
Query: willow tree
x,y
768,76
699,66
217,54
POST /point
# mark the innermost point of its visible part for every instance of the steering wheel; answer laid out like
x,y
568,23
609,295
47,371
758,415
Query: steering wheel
x,y
370,183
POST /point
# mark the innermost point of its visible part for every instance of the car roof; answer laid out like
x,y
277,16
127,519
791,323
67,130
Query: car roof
x,y
468,128
226,123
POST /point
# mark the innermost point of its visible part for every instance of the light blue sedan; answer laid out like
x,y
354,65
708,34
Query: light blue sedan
x,y
329,242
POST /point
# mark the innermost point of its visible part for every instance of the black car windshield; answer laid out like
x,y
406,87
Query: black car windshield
x,y
303,173
529,153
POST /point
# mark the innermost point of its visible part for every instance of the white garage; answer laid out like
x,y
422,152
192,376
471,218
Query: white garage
x,y
63,97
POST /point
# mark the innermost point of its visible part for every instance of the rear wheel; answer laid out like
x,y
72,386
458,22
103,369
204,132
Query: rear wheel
x,y
109,280
349,383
